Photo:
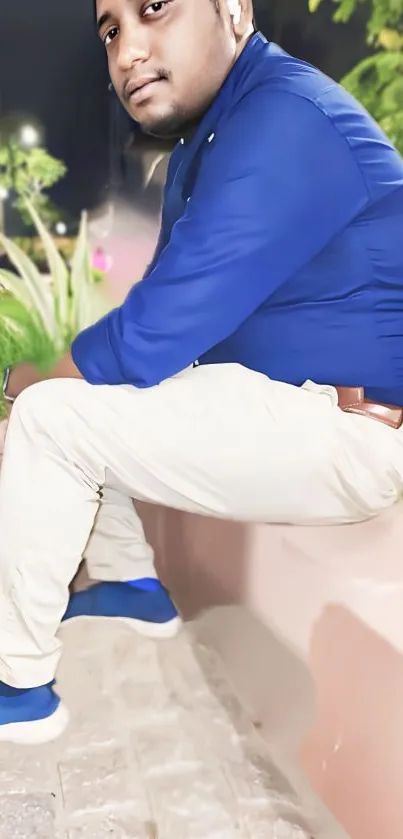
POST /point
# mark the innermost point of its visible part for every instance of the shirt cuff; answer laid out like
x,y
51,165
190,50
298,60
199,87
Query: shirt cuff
x,y
92,353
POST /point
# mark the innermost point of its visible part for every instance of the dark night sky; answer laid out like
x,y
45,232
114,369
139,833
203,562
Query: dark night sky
x,y
52,66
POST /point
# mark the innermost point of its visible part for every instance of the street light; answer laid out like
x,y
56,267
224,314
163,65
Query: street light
x,y
29,136
61,228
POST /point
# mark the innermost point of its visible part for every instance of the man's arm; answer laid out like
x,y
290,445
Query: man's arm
x,y
25,375
276,185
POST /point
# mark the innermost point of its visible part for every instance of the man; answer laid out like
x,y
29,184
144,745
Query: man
x,y
279,270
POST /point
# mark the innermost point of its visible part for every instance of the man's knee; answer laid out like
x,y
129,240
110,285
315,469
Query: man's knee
x,y
46,403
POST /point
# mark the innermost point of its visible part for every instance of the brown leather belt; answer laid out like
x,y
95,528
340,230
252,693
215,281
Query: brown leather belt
x,y
353,401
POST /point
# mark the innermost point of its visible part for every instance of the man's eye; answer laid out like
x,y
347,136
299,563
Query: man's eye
x,y
155,8
110,36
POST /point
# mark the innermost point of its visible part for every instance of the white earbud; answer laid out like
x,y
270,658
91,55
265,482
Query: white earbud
x,y
235,10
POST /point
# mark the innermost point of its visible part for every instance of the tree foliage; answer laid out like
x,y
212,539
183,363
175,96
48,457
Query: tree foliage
x,y
378,80
28,173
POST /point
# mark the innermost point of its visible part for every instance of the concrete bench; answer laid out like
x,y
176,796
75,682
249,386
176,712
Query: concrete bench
x,y
309,623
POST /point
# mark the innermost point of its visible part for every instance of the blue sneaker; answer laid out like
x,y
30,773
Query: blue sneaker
x,y
144,604
31,716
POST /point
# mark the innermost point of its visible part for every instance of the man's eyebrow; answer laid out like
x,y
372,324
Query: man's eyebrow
x,y
103,19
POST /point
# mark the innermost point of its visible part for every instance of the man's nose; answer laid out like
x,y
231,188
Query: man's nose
x,y
133,46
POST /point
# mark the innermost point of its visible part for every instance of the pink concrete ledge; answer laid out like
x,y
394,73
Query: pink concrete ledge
x,y
316,651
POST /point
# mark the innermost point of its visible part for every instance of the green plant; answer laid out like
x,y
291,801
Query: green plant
x,y
33,247
40,315
27,173
378,80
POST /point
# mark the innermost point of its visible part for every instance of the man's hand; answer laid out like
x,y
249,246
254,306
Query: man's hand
x,y
25,375
22,377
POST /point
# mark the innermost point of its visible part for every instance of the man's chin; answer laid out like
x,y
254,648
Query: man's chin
x,y
160,130
169,126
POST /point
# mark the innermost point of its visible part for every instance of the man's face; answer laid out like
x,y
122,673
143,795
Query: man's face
x,y
168,59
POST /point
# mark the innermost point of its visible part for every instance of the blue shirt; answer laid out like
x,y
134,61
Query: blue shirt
x,y
281,244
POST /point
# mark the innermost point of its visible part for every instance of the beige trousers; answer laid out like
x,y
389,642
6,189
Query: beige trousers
x,y
218,440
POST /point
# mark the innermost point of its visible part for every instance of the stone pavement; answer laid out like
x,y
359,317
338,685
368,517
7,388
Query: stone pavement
x,y
158,748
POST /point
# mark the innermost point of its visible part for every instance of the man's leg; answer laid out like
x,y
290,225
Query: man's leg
x,y
218,440
118,554
117,548
33,577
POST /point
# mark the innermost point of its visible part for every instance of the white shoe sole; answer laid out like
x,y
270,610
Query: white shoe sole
x,y
37,732
162,631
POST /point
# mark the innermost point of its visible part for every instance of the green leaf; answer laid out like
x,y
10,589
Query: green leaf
x,y
314,5
29,171
40,296
33,325
42,169
11,307
14,285
21,337
57,267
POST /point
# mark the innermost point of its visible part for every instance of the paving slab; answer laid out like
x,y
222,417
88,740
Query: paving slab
x,y
158,748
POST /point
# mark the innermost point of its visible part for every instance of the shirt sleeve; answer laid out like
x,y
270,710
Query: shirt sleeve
x,y
276,184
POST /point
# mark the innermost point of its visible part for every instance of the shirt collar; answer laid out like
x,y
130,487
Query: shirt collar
x,y
233,86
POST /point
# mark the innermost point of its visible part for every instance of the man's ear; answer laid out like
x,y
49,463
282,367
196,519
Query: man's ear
x,y
235,10
241,13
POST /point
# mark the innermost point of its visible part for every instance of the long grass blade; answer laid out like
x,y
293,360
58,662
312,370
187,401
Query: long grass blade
x,y
13,284
40,295
57,267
